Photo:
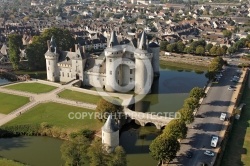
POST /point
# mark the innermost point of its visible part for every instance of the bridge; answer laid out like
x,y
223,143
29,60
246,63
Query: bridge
x,y
146,118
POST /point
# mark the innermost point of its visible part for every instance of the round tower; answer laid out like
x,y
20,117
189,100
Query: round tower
x,y
51,57
155,49
113,55
143,67
110,134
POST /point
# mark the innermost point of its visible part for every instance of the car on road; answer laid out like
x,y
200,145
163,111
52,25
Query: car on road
x,y
189,154
230,88
223,116
209,153
214,141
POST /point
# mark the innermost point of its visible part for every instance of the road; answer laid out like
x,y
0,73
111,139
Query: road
x,y
198,139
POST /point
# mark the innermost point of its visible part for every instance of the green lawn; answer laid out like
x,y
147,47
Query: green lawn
x,y
57,115
79,96
32,87
9,103
6,162
237,150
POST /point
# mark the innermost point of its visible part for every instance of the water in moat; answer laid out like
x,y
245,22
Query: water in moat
x,y
3,80
168,94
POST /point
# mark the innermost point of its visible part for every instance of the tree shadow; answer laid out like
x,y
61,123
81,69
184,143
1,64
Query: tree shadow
x,y
14,142
220,103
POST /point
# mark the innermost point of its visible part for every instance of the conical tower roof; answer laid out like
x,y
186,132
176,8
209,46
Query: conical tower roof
x,y
113,40
143,41
110,125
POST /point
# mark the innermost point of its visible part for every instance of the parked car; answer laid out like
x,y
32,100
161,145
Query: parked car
x,y
209,153
189,154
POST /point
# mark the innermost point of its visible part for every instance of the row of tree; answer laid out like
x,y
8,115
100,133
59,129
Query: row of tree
x,y
166,145
36,50
196,47
80,149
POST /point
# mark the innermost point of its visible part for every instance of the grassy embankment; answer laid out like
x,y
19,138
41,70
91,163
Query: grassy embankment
x,y
6,162
9,103
31,87
178,66
33,74
237,150
52,119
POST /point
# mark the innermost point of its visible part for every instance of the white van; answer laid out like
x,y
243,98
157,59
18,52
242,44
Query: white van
x,y
223,116
214,141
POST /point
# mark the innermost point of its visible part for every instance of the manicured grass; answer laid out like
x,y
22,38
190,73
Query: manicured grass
x,y
79,96
57,115
9,103
6,162
32,87
237,150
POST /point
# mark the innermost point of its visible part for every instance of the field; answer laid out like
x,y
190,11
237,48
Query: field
x,y
6,162
31,87
78,96
57,115
237,150
9,103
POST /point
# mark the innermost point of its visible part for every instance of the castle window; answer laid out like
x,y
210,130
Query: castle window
x,y
48,68
110,60
131,79
53,74
76,61
49,62
63,74
110,72
68,74
131,71
118,81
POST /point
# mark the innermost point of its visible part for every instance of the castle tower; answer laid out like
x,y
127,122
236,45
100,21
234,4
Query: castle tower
x,y
113,54
110,134
143,67
51,57
155,49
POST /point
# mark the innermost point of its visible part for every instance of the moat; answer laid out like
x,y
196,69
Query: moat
x,y
168,94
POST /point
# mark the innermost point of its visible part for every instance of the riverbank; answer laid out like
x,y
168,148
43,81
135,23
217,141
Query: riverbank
x,y
186,59
7,162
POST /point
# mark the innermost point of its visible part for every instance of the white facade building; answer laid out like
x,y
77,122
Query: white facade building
x,y
120,68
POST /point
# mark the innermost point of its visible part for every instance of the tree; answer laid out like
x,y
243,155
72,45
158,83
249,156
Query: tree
x,y
118,158
164,148
227,33
212,51
197,93
171,47
231,50
163,45
97,154
220,51
200,50
180,46
74,151
35,51
105,108
14,43
187,115
177,128
225,48
209,46
96,14
191,103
